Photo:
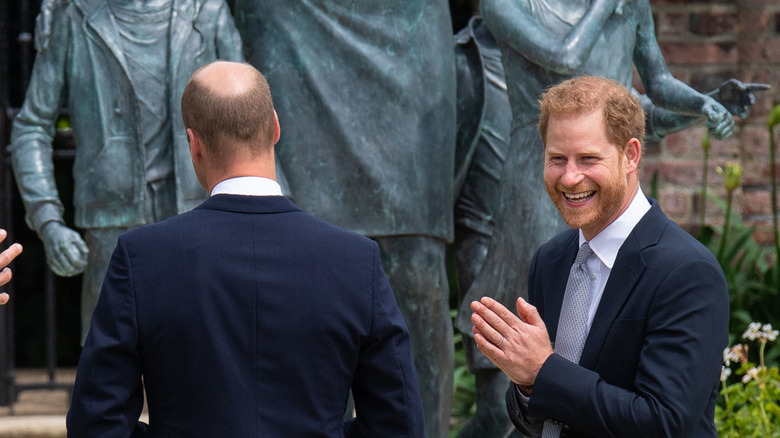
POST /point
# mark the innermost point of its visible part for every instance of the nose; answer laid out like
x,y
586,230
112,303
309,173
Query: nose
x,y
572,175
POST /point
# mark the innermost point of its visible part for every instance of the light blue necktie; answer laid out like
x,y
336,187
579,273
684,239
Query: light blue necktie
x,y
573,322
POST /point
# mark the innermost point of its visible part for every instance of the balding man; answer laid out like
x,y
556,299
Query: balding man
x,y
245,317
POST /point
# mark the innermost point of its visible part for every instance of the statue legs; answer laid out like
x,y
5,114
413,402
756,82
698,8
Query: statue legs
x,y
101,243
415,267
159,204
490,419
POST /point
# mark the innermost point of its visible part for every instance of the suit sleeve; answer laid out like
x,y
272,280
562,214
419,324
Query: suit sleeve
x,y
685,332
385,389
108,393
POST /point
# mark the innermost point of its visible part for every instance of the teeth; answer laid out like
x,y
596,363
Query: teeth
x,y
579,196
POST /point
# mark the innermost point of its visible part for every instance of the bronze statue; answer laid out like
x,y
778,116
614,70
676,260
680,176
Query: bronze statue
x,y
120,67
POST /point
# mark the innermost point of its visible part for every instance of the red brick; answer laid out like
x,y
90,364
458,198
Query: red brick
x,y
706,78
636,82
680,143
762,50
754,3
699,52
758,172
676,204
757,202
686,144
754,172
682,172
713,211
713,23
671,24
728,149
755,141
763,235
754,22
646,172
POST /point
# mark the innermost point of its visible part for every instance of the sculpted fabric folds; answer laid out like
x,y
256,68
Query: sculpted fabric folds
x,y
365,92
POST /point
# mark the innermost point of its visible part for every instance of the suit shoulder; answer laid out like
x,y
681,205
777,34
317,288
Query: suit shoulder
x,y
680,244
329,230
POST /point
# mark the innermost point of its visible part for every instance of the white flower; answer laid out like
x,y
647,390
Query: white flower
x,y
751,374
752,333
767,333
729,355
724,373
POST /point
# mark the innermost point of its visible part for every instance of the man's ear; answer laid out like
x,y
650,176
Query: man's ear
x,y
632,155
277,132
196,145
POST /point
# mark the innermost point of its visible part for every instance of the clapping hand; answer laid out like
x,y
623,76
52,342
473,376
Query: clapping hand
x,y
5,258
519,347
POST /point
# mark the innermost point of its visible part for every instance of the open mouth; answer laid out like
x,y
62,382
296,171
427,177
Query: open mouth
x,y
579,197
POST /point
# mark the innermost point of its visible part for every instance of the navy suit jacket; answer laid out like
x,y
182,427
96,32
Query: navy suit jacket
x,y
651,363
246,317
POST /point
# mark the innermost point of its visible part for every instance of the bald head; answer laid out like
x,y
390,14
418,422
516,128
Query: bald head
x,y
229,105
227,79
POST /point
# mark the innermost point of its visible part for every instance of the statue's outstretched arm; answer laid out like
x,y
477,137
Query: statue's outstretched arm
x,y
512,23
668,92
736,96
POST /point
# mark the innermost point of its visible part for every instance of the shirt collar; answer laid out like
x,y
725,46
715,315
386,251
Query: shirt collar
x,y
607,243
248,186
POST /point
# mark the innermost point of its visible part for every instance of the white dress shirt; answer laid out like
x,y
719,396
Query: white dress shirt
x,y
248,186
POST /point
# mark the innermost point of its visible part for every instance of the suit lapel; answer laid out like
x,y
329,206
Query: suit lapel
x,y
628,269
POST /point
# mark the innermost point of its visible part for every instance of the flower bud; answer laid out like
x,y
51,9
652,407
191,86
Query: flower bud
x,y
732,176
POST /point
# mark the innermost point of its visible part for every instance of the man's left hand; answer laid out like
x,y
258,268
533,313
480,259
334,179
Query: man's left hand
x,y
519,347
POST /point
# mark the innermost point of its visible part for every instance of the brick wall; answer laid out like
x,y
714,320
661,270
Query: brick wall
x,y
705,43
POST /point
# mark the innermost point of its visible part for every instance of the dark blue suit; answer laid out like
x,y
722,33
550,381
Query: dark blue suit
x,y
651,363
246,317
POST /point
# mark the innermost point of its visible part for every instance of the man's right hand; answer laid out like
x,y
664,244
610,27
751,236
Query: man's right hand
x,y
66,251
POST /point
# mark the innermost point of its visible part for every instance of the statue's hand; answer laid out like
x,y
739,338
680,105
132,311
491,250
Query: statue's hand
x,y
66,251
737,96
719,121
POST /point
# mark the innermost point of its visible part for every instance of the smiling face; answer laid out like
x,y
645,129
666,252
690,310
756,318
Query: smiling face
x,y
590,181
